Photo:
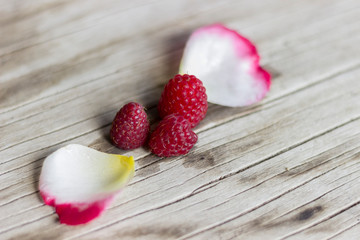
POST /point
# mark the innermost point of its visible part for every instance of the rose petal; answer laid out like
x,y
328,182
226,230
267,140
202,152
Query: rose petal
x,y
81,182
227,64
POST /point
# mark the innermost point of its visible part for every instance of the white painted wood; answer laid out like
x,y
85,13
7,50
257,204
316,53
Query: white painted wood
x,y
286,168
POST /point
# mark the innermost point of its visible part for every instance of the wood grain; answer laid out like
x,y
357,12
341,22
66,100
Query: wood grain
x,y
285,168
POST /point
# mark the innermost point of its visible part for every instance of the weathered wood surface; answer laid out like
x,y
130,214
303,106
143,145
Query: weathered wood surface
x,y
286,168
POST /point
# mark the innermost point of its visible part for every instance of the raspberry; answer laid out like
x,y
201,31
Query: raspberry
x,y
130,127
172,137
185,95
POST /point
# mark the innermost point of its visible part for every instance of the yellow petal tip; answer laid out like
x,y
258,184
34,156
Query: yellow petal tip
x,y
128,168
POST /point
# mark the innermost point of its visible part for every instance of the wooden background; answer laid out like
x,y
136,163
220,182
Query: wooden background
x,y
286,168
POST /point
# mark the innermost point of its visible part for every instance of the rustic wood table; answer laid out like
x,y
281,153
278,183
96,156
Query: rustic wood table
x,y
285,168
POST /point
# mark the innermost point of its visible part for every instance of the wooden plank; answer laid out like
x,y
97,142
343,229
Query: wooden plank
x,y
292,161
85,64
280,216
339,223
351,232
80,64
286,168
218,203
267,115
316,99
110,109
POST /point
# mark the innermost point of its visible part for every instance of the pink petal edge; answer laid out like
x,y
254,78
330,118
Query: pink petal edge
x,y
77,213
246,50
249,52
80,182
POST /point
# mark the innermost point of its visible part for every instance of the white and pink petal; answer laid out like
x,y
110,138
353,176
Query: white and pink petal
x,y
227,64
81,182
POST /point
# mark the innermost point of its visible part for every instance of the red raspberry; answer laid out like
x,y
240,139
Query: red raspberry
x,y
130,127
185,95
172,137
